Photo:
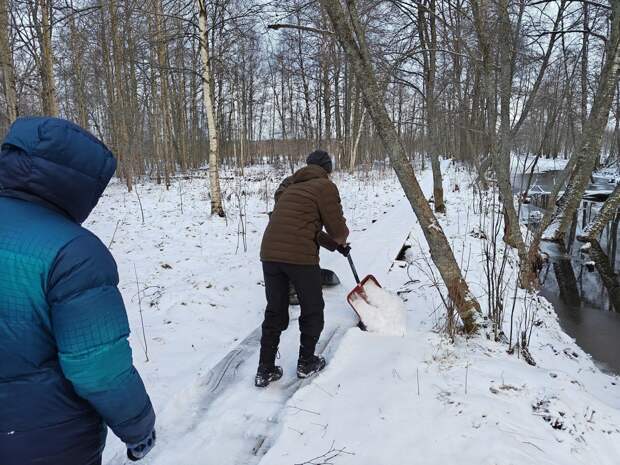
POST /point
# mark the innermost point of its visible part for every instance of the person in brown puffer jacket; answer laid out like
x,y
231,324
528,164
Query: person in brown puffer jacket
x,y
306,203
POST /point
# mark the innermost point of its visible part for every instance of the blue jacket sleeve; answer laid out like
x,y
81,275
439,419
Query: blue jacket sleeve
x,y
90,325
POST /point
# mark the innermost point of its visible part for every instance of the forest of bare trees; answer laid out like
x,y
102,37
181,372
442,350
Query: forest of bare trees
x,y
173,84
461,78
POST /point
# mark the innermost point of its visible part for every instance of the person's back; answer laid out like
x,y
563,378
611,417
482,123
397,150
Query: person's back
x,y
34,394
306,202
65,363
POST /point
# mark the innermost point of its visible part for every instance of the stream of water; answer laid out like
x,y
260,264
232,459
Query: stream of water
x,y
583,287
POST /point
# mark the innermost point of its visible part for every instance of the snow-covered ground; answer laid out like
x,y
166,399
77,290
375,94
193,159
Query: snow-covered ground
x,y
416,398
521,164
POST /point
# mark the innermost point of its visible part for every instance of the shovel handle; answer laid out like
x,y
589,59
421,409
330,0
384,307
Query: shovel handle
x,y
357,278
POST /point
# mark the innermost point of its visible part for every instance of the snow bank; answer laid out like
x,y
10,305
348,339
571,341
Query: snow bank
x,y
382,312
543,165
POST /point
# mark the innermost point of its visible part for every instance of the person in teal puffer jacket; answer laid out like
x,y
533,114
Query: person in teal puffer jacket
x,y
66,371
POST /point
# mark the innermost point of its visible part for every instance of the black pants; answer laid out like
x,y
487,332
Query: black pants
x,y
307,282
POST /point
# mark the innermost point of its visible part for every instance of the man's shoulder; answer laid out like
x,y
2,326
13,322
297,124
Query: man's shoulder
x,y
38,223
327,186
82,263
318,186
325,182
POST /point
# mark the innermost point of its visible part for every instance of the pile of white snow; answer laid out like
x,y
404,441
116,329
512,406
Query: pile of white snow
x,y
381,311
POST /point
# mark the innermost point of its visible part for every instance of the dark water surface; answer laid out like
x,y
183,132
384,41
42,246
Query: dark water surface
x,y
583,287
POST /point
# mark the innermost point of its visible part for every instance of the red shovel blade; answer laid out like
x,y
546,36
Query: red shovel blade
x,y
359,293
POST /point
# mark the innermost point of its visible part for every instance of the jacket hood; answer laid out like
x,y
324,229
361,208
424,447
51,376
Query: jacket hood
x,y
56,161
309,172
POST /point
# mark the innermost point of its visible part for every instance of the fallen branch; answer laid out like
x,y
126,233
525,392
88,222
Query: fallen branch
x,y
114,235
327,457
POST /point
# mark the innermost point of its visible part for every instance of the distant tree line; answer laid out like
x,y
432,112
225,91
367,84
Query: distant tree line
x,y
131,72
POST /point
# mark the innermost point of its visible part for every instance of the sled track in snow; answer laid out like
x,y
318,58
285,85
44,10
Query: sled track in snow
x,y
244,434
264,442
226,374
256,429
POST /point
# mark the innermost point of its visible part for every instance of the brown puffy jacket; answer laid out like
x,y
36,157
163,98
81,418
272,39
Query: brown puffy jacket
x,y
305,203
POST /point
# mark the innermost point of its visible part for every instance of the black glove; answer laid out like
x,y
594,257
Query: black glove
x,y
139,450
344,249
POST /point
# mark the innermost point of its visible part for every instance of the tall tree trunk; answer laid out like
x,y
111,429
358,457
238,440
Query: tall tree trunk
x,y
590,142
481,10
164,96
307,116
217,207
356,144
353,42
584,65
428,39
132,119
107,71
8,67
327,91
154,119
49,105
499,156
337,102
121,137
79,91
512,231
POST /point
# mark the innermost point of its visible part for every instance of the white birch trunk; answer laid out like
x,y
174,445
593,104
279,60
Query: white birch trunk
x,y
207,92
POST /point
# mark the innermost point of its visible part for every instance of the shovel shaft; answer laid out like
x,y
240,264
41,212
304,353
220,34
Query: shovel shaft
x,y
357,278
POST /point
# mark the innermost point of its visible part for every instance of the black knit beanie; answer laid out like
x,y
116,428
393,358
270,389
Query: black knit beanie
x,y
321,158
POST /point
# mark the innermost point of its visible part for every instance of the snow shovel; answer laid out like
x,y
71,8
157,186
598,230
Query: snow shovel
x,y
358,292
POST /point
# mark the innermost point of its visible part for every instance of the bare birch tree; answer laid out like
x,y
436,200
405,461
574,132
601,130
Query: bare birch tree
x,y
116,89
217,207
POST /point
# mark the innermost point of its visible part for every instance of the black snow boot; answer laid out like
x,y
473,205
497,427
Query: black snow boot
x,y
267,374
308,366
